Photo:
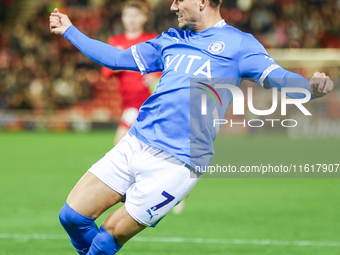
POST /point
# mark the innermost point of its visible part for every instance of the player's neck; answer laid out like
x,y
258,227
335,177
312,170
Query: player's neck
x,y
207,21
133,34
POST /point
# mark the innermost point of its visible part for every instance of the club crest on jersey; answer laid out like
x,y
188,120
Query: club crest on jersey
x,y
216,47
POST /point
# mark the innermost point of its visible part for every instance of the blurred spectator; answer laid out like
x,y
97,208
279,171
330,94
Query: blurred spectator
x,y
287,23
133,88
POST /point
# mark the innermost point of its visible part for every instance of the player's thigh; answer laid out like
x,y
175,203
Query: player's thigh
x,y
121,225
91,197
106,182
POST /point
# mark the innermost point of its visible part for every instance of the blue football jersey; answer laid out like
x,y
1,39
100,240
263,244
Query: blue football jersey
x,y
192,64
171,118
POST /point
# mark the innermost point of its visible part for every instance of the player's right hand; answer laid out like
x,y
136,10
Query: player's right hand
x,y
59,23
320,84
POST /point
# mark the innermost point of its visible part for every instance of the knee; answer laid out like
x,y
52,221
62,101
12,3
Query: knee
x,y
81,229
71,219
66,217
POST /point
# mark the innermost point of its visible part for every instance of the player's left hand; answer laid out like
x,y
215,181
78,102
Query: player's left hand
x,y
320,84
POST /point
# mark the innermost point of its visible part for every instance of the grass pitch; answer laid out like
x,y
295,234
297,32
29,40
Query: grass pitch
x,y
223,216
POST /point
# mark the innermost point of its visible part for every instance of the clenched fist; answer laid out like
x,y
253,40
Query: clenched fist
x,y
59,22
320,84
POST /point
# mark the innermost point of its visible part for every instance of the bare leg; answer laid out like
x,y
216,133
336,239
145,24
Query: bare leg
x,y
91,197
117,229
88,200
121,225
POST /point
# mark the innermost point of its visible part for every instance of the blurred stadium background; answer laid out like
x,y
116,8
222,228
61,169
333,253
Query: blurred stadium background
x,y
58,115
47,84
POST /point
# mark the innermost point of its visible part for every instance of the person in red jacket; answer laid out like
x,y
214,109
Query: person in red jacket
x,y
134,88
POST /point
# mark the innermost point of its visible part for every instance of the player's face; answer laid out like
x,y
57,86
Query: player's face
x,y
133,19
188,12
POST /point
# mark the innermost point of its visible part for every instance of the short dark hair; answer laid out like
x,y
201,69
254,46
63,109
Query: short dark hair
x,y
215,3
136,4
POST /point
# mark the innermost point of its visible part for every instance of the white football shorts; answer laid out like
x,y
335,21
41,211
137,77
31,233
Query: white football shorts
x,y
152,180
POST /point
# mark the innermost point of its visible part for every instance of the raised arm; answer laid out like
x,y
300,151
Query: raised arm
x,y
102,53
319,85
255,63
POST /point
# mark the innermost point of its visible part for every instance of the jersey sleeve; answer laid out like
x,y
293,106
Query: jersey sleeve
x,y
254,61
148,55
106,72
102,53
281,78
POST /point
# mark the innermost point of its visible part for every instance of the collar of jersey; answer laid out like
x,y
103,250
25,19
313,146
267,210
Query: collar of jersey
x,y
221,23
209,30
